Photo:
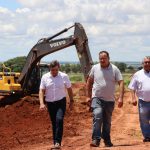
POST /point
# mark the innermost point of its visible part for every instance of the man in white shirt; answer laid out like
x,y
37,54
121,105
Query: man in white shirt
x,y
140,86
53,86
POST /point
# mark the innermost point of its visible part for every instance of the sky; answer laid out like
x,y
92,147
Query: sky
x,y
122,27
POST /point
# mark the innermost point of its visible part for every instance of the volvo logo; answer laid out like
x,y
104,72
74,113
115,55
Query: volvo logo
x,y
57,43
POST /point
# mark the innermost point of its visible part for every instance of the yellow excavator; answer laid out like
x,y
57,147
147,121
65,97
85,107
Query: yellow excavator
x,y
8,81
29,79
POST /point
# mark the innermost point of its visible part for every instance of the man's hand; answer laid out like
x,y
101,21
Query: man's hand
x,y
120,102
42,107
134,102
89,101
71,105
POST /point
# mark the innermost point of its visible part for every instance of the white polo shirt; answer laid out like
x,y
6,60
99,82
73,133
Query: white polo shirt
x,y
140,82
55,86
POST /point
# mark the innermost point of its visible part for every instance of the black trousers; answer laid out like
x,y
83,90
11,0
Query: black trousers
x,y
57,111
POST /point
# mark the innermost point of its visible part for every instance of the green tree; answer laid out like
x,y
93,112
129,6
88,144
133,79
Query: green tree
x,y
1,68
122,66
131,68
68,68
75,68
16,64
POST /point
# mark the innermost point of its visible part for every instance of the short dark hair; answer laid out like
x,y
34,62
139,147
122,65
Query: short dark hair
x,y
105,53
53,64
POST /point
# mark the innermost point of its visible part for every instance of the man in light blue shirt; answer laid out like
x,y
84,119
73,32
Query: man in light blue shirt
x,y
140,86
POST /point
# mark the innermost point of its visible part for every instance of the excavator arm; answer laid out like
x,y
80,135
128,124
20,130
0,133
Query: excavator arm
x,y
47,46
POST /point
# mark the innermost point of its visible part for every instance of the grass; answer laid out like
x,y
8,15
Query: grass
x,y
79,77
127,78
76,77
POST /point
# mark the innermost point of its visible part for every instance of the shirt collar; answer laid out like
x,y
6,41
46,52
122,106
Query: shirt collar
x,y
109,67
146,72
52,76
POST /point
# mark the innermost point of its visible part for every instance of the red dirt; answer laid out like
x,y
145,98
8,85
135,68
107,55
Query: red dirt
x,y
24,127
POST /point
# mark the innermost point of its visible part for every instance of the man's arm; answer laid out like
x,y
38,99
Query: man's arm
x,y
134,101
41,97
70,93
89,86
121,89
133,87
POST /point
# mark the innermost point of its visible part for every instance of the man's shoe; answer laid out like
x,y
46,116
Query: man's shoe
x,y
95,143
56,146
108,143
147,139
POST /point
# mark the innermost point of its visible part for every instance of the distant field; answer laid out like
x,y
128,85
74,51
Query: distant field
x,y
78,77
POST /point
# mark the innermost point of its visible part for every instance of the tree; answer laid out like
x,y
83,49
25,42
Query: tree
x,y
68,68
1,68
16,64
131,68
122,66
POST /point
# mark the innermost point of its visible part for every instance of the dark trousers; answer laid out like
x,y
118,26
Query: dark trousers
x,y
57,111
102,113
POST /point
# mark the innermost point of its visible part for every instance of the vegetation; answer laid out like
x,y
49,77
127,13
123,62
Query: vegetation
x,y
122,66
71,68
76,77
16,64
74,70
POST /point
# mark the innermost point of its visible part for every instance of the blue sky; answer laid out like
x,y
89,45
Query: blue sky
x,y
10,4
120,27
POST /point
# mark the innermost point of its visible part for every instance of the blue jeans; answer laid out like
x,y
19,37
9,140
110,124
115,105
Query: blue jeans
x,y
144,116
57,111
102,113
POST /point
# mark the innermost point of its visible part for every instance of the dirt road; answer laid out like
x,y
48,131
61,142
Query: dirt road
x,y
23,127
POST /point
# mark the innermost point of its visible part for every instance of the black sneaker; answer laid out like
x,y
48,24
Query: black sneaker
x,y
147,139
108,143
95,143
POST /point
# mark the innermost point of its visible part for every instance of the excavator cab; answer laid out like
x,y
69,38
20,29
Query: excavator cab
x,y
35,78
9,82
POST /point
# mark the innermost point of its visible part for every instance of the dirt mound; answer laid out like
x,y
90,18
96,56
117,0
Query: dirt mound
x,y
23,126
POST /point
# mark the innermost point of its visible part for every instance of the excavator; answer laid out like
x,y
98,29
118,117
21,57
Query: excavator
x,y
28,81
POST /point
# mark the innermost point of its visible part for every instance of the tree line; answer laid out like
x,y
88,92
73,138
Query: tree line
x,y
17,64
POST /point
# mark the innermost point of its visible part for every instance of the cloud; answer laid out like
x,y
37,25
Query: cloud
x,y
119,26
7,28
23,10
